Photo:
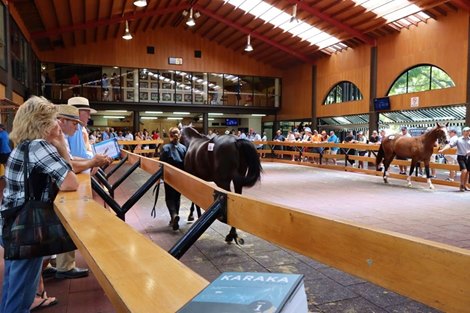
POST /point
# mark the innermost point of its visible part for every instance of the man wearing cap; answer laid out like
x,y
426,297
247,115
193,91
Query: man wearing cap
x,y
463,155
79,142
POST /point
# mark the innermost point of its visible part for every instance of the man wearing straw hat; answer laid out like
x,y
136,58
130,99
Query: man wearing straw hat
x,y
79,142
69,119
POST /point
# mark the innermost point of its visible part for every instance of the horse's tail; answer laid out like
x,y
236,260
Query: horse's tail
x,y
380,156
249,153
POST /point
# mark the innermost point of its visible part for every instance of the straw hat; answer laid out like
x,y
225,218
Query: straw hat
x,y
69,112
81,103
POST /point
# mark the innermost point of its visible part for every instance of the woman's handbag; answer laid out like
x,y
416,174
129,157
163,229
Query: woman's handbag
x,y
33,229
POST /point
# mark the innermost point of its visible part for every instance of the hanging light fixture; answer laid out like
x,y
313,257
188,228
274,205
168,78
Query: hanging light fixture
x,y
140,3
248,47
192,17
294,14
127,34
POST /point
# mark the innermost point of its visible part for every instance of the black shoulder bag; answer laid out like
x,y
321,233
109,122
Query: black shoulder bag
x,y
33,229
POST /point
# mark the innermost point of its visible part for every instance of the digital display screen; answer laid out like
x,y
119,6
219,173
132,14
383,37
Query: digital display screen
x,y
381,104
231,121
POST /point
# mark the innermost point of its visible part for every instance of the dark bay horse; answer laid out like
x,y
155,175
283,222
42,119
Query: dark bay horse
x,y
418,149
222,159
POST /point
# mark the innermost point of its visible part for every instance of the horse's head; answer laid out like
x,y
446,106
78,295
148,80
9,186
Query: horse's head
x,y
187,134
440,132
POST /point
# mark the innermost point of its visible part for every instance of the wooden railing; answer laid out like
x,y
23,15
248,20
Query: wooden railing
x,y
433,273
298,150
136,274
132,145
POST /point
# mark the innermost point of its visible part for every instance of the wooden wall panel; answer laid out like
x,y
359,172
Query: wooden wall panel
x,y
443,43
168,42
352,65
296,93
2,91
17,98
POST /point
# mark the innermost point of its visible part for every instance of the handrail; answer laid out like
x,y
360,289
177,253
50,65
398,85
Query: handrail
x,y
433,273
135,273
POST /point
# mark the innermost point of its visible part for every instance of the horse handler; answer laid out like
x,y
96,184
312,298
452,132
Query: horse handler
x,y
463,155
173,153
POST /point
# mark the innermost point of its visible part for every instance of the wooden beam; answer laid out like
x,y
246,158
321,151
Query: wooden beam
x,y
433,273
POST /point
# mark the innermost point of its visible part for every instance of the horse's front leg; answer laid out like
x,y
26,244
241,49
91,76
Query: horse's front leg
x,y
428,176
412,168
387,161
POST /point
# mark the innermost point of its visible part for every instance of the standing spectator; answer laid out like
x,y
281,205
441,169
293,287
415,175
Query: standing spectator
x,y
463,155
105,87
173,153
35,122
362,140
75,82
116,83
279,137
333,150
80,143
350,139
382,135
451,158
374,138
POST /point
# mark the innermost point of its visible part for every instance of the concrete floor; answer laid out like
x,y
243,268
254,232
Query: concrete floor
x,y
440,215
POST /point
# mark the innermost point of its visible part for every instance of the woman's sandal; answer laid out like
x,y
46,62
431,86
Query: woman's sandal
x,y
41,300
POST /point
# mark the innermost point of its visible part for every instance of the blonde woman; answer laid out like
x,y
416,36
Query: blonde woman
x,y
36,123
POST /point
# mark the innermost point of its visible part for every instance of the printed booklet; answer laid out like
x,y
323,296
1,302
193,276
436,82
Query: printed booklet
x,y
250,292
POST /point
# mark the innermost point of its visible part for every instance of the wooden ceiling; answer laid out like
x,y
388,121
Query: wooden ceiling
x,y
58,24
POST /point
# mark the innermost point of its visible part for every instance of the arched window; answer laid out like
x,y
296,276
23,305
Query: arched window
x,y
421,78
342,92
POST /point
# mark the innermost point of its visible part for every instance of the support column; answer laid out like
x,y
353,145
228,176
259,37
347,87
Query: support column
x,y
205,122
467,114
136,121
9,86
373,115
314,119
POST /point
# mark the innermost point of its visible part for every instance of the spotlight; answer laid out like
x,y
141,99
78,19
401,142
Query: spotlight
x,y
248,47
127,34
192,17
140,3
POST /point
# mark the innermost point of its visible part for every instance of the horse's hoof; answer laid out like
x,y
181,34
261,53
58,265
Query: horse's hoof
x,y
431,187
190,218
409,185
228,238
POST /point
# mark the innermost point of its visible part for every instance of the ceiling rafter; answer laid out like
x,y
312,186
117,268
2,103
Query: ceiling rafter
x,y
254,34
106,21
323,16
462,4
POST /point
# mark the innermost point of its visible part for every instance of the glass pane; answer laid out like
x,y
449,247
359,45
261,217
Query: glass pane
x,y
232,90
130,84
200,88
440,79
214,89
264,91
399,87
331,97
246,90
144,86
154,86
339,94
419,78
167,86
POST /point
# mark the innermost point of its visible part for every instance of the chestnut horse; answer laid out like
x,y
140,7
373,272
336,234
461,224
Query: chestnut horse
x,y
419,149
222,159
